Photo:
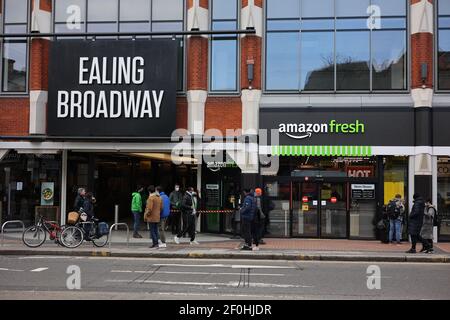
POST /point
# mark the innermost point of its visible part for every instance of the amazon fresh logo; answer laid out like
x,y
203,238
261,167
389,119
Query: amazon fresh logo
x,y
306,130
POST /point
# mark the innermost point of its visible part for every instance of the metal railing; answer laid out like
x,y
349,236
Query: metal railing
x,y
116,225
11,222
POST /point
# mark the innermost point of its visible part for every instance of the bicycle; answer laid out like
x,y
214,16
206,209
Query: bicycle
x,y
73,236
34,236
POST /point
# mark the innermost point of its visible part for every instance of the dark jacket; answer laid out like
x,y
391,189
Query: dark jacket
x,y
79,202
175,199
187,204
416,217
248,208
88,207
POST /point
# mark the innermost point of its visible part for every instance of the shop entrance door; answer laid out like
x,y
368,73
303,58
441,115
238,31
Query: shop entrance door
x,y
319,209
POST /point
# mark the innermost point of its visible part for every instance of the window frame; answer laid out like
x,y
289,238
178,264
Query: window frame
x,y
182,90
436,49
238,52
27,53
407,62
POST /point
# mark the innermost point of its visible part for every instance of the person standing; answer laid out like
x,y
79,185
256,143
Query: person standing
x,y
136,209
188,211
79,200
88,208
426,233
259,220
415,221
175,198
153,214
395,211
165,212
247,215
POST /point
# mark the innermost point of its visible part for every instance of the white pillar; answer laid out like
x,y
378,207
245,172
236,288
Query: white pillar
x,y
63,186
196,111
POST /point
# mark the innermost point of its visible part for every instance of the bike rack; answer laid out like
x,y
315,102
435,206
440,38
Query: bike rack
x,y
115,225
10,222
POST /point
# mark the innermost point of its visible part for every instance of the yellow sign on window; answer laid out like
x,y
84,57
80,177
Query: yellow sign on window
x,y
393,188
305,207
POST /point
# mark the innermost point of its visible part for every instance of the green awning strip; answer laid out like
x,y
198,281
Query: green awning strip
x,y
361,151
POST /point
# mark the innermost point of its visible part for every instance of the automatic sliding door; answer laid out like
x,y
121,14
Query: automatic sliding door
x,y
333,208
305,208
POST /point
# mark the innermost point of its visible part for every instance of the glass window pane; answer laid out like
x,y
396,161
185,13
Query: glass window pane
x,y
224,9
444,7
102,27
282,65
134,10
283,8
317,8
73,9
388,23
223,65
167,26
352,60
444,22
388,60
352,8
101,10
62,28
224,25
344,24
16,11
134,27
15,28
317,61
444,60
14,65
283,25
167,10
316,24
391,7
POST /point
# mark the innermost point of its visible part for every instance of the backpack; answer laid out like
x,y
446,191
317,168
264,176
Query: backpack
x,y
393,210
436,218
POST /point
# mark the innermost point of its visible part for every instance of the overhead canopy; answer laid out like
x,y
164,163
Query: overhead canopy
x,y
3,153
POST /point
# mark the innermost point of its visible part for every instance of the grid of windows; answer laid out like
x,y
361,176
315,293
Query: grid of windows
x,y
122,16
443,52
224,48
14,51
336,45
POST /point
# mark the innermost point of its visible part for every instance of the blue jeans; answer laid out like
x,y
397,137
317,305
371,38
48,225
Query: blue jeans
x,y
137,221
154,232
397,226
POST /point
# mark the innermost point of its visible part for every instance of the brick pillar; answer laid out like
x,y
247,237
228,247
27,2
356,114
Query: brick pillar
x,y
251,17
422,30
39,52
197,66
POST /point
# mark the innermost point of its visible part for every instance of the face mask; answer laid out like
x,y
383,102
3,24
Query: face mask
x,y
177,189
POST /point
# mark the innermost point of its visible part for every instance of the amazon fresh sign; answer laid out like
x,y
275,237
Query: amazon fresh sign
x,y
306,130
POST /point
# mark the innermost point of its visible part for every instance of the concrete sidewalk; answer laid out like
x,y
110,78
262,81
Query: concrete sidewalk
x,y
222,247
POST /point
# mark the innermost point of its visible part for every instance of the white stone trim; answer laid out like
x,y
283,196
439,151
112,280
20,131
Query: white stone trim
x,y
41,20
38,111
422,164
250,111
422,97
196,111
198,17
252,16
422,17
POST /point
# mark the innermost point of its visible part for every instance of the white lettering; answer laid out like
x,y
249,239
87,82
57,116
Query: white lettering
x,y
82,70
63,100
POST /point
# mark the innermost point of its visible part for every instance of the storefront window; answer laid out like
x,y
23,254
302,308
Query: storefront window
x,y
30,186
15,50
443,196
123,16
443,54
224,53
307,45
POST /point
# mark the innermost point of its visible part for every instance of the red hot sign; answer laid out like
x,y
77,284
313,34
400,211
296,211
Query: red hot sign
x,y
360,171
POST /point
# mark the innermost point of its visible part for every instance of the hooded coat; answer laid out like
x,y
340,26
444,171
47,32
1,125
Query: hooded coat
x,y
416,216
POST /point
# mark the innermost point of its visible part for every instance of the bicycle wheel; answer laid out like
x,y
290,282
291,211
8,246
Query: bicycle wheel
x,y
100,242
71,237
34,236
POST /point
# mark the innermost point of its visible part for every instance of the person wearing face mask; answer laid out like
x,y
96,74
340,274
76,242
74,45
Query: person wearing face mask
x,y
175,198
188,210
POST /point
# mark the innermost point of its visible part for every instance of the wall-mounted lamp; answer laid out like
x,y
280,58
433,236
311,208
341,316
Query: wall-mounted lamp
x,y
424,73
250,72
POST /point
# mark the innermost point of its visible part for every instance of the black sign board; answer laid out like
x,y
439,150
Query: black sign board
x,y
367,126
104,88
363,191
